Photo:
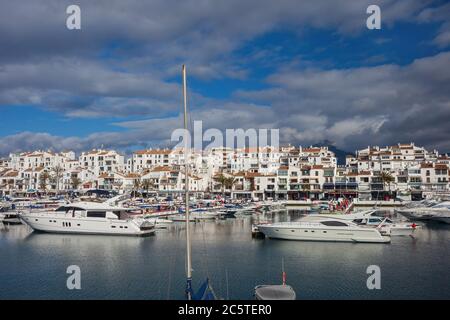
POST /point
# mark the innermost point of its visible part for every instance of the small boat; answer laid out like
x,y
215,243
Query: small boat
x,y
323,229
159,222
10,217
271,207
256,233
195,216
88,218
227,213
275,291
387,226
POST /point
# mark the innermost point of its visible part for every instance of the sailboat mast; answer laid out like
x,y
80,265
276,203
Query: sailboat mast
x,y
186,177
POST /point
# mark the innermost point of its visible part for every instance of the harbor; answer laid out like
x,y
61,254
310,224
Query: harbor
x,y
114,267
257,155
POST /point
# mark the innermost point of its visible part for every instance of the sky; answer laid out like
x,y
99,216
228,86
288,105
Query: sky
x,y
311,69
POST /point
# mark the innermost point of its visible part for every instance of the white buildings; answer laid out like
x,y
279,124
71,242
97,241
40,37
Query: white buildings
x,y
148,159
287,172
36,159
101,161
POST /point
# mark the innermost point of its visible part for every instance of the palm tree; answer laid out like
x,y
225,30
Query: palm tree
x,y
75,181
222,180
230,182
387,178
43,180
136,186
147,184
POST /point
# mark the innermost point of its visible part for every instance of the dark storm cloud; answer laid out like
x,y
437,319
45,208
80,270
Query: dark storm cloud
x,y
382,104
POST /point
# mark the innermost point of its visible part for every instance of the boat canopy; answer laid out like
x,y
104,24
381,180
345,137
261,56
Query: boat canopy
x,y
275,292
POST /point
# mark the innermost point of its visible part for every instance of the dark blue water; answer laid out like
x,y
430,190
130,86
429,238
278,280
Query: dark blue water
x,y
33,266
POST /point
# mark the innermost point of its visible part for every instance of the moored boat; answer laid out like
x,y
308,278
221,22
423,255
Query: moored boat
x,y
325,229
88,218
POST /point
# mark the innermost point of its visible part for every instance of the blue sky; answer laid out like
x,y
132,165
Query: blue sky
x,y
311,69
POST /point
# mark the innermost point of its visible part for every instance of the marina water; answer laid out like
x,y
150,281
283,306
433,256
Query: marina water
x,y
33,265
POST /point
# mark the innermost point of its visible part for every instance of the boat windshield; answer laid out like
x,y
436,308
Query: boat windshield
x,y
333,223
67,209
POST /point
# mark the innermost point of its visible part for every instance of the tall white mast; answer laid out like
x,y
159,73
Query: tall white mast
x,y
186,176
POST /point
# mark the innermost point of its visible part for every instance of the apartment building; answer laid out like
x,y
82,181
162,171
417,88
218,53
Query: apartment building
x,y
102,161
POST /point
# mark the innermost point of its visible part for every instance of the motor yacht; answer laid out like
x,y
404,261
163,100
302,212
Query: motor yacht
x,y
324,229
428,211
88,218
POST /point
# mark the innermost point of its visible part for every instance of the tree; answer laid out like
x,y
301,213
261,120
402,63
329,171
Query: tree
x,y
225,182
147,184
387,179
75,181
222,180
58,173
43,180
230,182
136,186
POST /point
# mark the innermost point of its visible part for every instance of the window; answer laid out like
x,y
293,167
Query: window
x,y
96,214
334,223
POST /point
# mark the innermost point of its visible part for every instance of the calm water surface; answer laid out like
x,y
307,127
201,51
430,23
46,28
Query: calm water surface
x,y
33,265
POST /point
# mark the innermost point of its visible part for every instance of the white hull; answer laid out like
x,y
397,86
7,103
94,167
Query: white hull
x,y
195,216
306,233
402,231
441,219
60,223
160,223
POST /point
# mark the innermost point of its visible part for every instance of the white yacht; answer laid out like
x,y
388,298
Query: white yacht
x,y
88,218
324,229
436,212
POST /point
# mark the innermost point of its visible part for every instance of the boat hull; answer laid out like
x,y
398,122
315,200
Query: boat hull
x,y
68,225
368,235
442,219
